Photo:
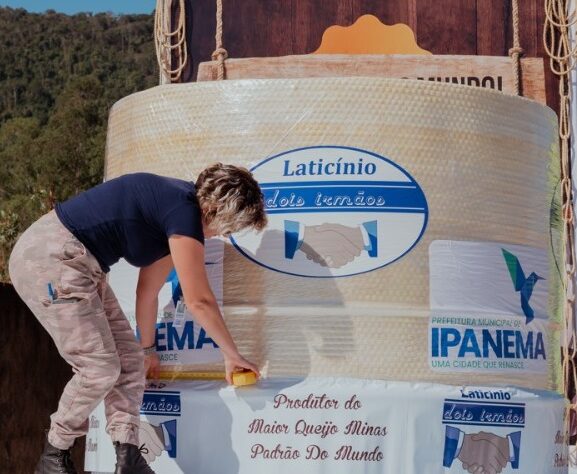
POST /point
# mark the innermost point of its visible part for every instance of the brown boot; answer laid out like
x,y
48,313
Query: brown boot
x,y
54,461
129,460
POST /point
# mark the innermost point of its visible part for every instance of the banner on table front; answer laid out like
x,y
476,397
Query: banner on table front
x,y
341,426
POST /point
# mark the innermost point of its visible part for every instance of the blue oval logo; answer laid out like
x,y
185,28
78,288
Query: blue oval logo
x,y
334,211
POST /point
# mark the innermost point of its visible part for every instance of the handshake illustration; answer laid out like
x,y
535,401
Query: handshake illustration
x,y
330,245
155,439
483,452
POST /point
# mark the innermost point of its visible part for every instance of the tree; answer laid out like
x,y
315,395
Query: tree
x,y
59,76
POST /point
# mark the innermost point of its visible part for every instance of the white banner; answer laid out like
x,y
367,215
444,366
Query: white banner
x,y
488,307
341,426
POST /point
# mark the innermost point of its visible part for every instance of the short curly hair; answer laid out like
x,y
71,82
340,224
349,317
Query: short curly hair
x,y
230,199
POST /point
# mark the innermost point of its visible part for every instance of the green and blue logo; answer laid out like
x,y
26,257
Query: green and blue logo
x,y
523,285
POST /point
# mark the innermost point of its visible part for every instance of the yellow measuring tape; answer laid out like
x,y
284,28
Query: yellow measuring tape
x,y
190,375
239,379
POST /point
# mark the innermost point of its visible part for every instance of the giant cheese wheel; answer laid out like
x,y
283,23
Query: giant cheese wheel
x,y
485,162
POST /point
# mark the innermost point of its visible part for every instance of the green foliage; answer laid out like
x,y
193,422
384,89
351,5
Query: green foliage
x,y
59,76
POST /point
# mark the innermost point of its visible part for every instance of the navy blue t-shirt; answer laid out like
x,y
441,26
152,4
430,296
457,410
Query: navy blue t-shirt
x,y
132,217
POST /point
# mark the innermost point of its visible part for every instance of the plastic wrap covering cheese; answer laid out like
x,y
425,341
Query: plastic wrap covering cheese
x,y
443,164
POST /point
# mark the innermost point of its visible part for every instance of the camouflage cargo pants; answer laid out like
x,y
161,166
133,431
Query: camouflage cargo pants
x,y
88,327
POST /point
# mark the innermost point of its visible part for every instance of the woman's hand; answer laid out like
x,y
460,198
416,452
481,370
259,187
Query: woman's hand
x,y
152,366
236,363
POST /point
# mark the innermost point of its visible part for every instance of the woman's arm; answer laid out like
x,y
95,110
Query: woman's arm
x,y
150,280
188,256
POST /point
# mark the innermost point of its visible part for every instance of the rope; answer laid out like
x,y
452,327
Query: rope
x,y
167,40
556,36
516,51
219,54
557,44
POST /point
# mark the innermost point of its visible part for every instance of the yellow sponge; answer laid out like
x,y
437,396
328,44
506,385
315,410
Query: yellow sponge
x,y
245,377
